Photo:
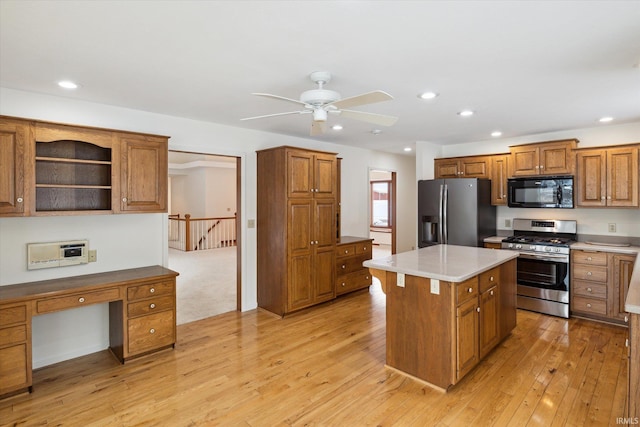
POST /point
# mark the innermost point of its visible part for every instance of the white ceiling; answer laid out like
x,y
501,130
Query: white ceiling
x,y
525,67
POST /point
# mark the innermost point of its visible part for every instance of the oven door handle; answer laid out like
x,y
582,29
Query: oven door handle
x,y
545,257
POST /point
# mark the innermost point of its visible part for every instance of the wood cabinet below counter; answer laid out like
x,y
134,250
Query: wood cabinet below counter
x,y
351,252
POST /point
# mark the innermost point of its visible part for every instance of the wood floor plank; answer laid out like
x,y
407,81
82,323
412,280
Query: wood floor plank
x,y
326,366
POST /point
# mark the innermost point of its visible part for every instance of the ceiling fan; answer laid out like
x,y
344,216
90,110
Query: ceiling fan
x,y
321,102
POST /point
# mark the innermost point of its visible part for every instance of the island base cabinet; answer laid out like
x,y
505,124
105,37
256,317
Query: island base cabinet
x,y
633,402
438,331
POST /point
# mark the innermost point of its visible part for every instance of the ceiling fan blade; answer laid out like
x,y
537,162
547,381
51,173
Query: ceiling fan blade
x,y
277,114
365,98
317,128
377,119
282,98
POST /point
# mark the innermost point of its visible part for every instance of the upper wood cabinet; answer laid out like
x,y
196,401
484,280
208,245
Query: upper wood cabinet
x,y
311,174
144,173
607,177
13,144
463,167
499,174
59,169
545,158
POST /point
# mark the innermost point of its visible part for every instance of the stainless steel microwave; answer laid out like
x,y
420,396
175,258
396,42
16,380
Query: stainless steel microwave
x,y
540,192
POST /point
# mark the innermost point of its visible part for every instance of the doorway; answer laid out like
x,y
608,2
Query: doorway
x,y
382,212
205,233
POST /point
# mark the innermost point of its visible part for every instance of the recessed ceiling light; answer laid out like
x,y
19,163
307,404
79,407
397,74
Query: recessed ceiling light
x,y
407,148
376,131
67,84
605,119
496,133
466,113
336,127
427,95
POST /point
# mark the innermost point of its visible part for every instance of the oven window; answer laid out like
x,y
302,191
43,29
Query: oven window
x,y
543,274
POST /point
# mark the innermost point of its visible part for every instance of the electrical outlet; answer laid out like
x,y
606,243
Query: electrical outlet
x,y
507,223
612,227
400,280
93,255
435,286
251,223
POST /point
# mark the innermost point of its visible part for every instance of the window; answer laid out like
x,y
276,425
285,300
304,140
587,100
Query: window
x,y
380,206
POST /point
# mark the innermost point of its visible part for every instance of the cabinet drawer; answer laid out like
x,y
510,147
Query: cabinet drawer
x,y
14,368
353,281
13,335
489,279
467,290
589,258
152,305
348,265
345,250
590,289
77,300
150,332
589,305
150,290
591,273
363,248
12,315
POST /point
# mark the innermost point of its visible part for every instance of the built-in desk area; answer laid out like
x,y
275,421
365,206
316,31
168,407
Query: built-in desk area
x,y
142,315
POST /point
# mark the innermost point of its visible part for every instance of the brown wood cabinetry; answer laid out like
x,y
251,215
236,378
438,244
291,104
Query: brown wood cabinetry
x,y
59,169
440,335
463,167
351,252
296,228
600,282
499,175
14,135
545,158
492,245
608,177
142,313
633,396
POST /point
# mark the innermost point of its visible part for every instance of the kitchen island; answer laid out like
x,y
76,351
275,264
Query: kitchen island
x,y
447,307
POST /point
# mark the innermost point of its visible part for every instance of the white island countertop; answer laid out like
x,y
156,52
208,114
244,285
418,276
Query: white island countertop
x,y
443,262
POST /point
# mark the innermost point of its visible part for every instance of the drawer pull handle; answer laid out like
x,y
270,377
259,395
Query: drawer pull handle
x,y
346,251
491,278
478,309
152,305
470,290
81,299
589,258
20,200
491,293
589,290
365,248
367,277
588,273
152,290
589,305
343,284
152,331
344,266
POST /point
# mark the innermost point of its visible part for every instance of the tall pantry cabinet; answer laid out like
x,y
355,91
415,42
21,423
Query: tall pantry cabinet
x,y
296,228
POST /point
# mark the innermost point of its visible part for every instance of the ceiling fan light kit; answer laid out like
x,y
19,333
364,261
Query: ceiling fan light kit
x,y
322,101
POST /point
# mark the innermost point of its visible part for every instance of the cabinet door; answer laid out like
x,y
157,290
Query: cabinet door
x,y
555,159
525,161
467,345
325,176
300,174
13,140
623,268
622,177
475,167
144,174
300,241
447,168
324,249
591,178
489,315
499,173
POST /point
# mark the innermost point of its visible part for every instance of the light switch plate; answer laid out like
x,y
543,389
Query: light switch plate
x,y
435,286
400,280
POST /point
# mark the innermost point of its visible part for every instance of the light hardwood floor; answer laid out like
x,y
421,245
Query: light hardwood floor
x,y
325,366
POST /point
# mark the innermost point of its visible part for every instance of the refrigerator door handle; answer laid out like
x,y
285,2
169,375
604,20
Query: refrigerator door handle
x,y
445,193
440,215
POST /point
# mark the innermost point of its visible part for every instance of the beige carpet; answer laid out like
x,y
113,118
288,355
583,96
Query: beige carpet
x,y
206,285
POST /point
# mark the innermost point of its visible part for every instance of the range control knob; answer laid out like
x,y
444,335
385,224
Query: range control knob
x,y
548,248
518,246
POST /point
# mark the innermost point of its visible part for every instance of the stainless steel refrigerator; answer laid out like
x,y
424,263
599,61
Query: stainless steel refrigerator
x,y
455,212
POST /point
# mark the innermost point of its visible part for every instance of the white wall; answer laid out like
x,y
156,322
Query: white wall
x,y
590,221
125,241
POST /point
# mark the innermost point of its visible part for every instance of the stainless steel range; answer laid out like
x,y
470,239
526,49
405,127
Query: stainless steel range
x,y
543,264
